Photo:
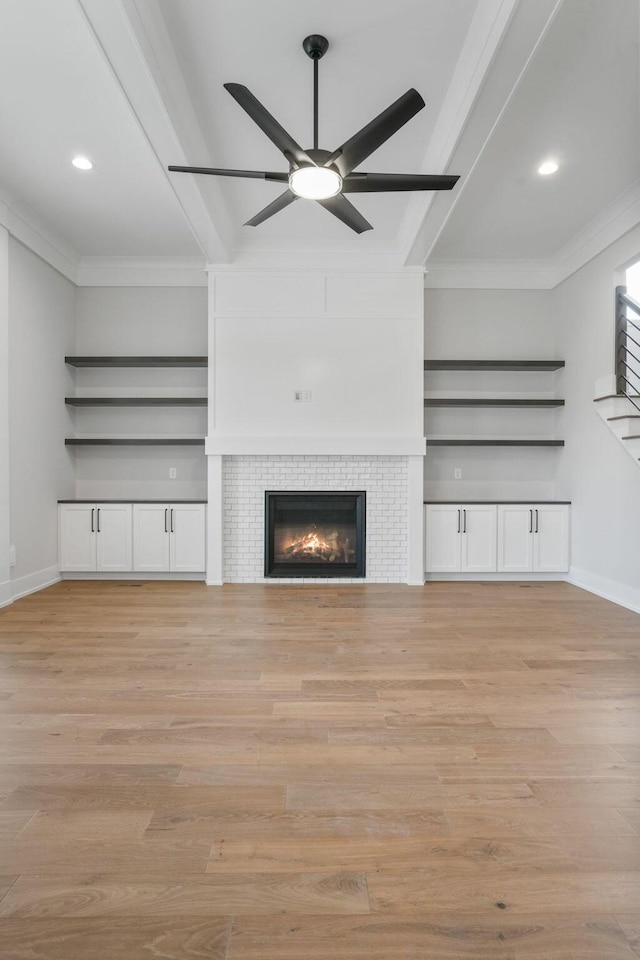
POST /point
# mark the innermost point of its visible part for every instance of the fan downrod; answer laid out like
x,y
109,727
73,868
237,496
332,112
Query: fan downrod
x,y
315,46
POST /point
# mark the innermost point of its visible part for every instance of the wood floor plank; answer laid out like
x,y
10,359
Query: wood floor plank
x,y
109,858
296,772
186,897
86,825
139,938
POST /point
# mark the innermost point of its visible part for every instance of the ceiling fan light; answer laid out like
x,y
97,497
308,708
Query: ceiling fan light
x,y
315,183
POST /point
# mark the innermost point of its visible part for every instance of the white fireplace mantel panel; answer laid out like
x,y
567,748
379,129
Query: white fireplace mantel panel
x,y
316,446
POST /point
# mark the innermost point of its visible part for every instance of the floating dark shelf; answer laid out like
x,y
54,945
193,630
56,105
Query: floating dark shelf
x,y
488,402
453,442
128,442
137,361
493,364
136,401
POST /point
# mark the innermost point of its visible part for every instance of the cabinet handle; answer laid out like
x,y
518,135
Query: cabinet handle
x,y
92,513
458,521
171,519
464,516
530,521
166,510
98,519
536,521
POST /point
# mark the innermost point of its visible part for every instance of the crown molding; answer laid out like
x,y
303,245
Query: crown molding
x,y
141,272
27,227
620,216
489,274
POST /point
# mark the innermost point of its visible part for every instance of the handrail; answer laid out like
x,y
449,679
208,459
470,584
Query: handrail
x,y
625,327
627,300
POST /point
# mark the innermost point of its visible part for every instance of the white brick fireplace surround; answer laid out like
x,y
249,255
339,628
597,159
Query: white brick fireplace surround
x,y
385,479
353,343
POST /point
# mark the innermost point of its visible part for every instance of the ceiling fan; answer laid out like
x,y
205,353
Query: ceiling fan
x,y
325,176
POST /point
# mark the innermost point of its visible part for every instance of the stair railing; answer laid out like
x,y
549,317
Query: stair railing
x,y
628,346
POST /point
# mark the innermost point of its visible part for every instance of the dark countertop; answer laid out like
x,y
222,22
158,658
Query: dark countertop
x,y
523,502
130,500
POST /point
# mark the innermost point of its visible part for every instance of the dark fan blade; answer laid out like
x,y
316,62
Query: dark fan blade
x,y
341,208
268,124
379,182
275,207
358,148
217,172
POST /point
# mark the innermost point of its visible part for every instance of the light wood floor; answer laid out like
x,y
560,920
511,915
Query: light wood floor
x,y
353,773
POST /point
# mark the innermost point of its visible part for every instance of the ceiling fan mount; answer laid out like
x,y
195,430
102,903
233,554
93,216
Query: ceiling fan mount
x,y
322,175
315,46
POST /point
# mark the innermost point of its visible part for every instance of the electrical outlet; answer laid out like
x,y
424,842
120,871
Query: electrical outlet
x,y
306,396
173,473
12,555
457,473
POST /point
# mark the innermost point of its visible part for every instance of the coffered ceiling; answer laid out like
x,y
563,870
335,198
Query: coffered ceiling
x,y
138,84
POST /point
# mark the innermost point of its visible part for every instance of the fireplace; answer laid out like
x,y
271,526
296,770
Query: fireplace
x,y
314,534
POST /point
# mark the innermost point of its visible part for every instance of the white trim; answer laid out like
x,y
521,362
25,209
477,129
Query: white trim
x,y
32,582
489,274
484,37
315,446
605,228
27,227
142,272
620,216
619,593
159,105
5,594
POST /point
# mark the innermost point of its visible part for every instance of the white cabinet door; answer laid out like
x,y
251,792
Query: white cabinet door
x,y
113,537
551,538
77,536
443,526
479,538
187,541
515,537
151,537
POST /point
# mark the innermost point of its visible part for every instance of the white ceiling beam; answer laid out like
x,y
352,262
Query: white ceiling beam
x,y
159,102
501,43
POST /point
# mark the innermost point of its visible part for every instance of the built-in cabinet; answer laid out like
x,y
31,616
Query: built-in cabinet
x,y
496,538
168,537
533,537
461,538
132,537
95,537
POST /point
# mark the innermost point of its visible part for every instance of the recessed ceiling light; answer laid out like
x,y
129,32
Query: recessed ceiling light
x,y
549,166
82,163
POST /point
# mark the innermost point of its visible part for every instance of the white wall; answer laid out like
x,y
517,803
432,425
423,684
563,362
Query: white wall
x,y
141,321
596,472
5,586
353,341
41,327
490,325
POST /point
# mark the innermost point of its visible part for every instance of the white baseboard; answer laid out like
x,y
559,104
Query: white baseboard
x,y
5,594
23,586
619,593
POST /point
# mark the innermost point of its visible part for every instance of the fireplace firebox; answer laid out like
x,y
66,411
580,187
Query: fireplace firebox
x,y
315,534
